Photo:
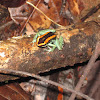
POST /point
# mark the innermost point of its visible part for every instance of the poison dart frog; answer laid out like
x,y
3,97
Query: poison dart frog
x,y
48,38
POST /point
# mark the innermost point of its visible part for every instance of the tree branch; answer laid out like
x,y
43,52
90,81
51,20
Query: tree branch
x,y
21,73
18,53
87,70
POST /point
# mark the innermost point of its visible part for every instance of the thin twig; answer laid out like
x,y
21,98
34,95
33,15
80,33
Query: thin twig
x,y
28,18
87,70
24,74
44,14
91,12
63,27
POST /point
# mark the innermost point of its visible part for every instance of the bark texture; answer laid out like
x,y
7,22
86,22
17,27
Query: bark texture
x,y
20,54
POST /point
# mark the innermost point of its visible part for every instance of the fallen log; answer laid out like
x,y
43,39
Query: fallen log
x,y
19,53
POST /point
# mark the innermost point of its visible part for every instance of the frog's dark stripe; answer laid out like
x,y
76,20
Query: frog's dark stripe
x,y
45,38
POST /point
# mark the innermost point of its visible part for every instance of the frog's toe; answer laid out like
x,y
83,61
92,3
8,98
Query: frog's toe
x,y
50,49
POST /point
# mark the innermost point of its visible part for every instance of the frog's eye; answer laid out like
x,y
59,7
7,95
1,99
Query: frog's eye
x,y
45,38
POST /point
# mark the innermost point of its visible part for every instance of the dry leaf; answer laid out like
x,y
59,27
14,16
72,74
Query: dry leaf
x,y
13,92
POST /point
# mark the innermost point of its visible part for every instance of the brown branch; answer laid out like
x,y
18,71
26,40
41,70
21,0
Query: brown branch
x,y
21,73
29,18
19,53
91,12
87,69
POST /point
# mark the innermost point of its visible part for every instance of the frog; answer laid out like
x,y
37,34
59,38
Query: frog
x,y
49,40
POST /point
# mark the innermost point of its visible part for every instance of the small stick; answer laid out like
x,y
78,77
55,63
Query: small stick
x,y
28,19
43,14
24,74
87,70
91,12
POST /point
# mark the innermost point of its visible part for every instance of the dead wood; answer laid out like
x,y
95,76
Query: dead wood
x,y
20,54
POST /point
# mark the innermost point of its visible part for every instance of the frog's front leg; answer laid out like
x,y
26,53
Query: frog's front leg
x,y
59,43
55,43
50,47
